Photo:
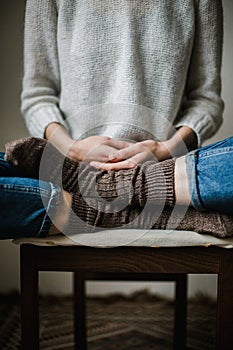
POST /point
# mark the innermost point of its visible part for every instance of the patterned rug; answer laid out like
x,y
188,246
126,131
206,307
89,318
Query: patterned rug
x,y
141,321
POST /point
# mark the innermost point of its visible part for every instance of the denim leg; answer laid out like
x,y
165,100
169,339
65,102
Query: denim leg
x,y
210,176
26,207
8,170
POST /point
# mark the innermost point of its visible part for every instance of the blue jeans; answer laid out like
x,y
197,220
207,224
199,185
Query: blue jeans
x,y
26,205
210,176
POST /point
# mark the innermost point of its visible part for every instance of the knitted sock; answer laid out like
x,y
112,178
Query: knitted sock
x,y
207,222
27,154
95,217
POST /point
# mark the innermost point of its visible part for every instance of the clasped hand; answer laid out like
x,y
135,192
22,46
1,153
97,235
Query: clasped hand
x,y
105,153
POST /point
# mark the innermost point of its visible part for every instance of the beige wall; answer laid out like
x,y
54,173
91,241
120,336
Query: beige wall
x,y
12,126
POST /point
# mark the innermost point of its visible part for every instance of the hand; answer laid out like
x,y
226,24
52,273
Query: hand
x,y
135,154
92,148
98,148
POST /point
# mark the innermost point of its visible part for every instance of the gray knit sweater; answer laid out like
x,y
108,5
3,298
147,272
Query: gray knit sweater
x,y
123,68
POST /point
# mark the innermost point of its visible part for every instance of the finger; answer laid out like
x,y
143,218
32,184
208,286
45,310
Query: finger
x,y
126,164
119,144
129,163
140,158
99,153
125,153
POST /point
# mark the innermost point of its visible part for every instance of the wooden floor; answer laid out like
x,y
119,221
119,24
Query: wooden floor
x,y
138,321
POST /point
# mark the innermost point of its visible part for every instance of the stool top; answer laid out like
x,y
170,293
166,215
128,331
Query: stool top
x,y
132,238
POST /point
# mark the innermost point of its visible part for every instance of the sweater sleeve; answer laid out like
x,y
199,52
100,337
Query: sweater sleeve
x,y
41,82
202,105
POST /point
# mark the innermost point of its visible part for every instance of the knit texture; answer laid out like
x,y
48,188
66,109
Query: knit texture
x,y
123,68
39,159
94,217
26,154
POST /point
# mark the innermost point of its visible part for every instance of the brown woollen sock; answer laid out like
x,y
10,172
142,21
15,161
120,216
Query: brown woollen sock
x,y
27,155
92,215
88,220
206,222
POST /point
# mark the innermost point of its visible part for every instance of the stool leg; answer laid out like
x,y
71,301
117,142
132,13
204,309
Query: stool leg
x,y
79,312
29,300
224,339
180,313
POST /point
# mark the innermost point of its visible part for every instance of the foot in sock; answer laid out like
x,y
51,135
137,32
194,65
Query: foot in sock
x,y
27,154
205,222
94,217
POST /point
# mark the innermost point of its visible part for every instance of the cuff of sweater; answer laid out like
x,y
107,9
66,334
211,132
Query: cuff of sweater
x,y
202,125
40,117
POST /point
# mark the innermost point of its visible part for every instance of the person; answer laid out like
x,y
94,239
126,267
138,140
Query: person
x,y
145,71
88,64
201,179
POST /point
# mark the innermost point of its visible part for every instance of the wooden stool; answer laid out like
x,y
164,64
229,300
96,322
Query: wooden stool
x,y
126,263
